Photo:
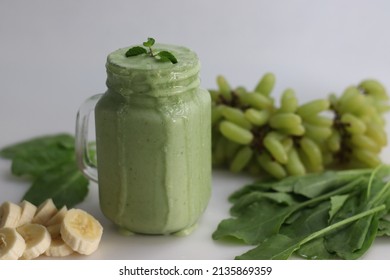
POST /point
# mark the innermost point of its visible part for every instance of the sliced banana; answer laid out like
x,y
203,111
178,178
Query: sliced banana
x,y
58,248
81,231
12,244
9,214
54,230
45,211
27,213
58,217
37,240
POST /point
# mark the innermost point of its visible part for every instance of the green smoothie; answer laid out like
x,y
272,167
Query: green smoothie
x,y
153,138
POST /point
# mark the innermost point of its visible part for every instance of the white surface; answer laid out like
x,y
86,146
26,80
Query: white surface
x,y
52,56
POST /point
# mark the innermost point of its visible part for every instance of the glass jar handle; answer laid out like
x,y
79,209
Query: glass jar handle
x,y
83,157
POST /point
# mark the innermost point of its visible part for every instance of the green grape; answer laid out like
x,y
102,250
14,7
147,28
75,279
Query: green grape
x,y
214,94
319,120
256,100
327,157
224,88
312,151
352,103
366,110
240,90
231,149
288,101
367,157
241,159
272,141
373,88
272,167
334,142
285,120
236,116
257,117
377,133
312,108
365,142
235,133
317,133
294,165
298,130
333,100
347,93
216,114
253,167
379,105
353,124
287,143
266,84
218,157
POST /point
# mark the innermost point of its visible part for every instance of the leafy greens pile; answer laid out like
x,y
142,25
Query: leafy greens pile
x,y
332,215
50,163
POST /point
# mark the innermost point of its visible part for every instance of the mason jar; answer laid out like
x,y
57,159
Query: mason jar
x,y
153,142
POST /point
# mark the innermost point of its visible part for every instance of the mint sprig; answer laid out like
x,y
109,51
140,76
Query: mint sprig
x,y
162,56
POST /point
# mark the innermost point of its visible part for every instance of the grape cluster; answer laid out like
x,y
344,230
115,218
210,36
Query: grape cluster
x,y
251,133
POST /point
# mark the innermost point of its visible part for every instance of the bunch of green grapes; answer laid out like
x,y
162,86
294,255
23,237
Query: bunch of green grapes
x,y
250,133
358,133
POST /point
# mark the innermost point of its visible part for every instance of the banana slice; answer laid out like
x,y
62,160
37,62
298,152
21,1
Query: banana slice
x,y
37,240
12,244
81,231
54,230
9,214
45,211
58,248
58,217
27,213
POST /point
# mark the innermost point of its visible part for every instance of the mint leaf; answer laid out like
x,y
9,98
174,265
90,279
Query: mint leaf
x,y
150,42
166,56
134,51
161,56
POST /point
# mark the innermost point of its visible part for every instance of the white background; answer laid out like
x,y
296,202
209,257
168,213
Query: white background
x,y
52,56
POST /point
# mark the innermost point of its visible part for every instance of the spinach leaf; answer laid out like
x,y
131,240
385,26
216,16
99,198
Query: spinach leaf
x,y
263,219
255,223
64,184
383,227
257,196
49,161
39,161
281,247
312,186
337,202
63,141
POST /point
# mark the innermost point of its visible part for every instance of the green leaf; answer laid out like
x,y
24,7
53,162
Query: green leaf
x,y
50,161
166,56
246,200
277,247
264,218
315,250
312,186
149,43
352,241
281,247
383,227
337,202
65,184
62,140
134,51
256,223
